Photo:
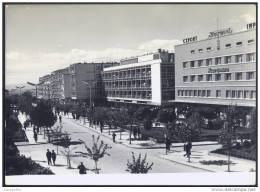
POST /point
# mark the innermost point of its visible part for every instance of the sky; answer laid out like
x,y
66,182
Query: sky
x,y
41,38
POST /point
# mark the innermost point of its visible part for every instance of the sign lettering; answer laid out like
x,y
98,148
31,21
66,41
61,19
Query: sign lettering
x,y
219,33
190,39
218,70
251,25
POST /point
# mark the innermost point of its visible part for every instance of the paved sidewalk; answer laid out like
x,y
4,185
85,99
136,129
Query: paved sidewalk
x,y
176,155
37,152
200,152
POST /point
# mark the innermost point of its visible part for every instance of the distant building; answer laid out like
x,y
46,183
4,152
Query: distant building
x,y
146,79
66,86
220,70
89,72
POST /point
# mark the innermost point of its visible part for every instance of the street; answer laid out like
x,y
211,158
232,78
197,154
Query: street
x,y
119,154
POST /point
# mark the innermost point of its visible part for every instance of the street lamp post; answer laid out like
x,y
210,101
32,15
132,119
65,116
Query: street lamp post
x,y
90,101
20,89
36,87
90,87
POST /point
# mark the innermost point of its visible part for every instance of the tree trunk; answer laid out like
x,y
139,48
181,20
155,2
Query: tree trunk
x,y
109,129
130,138
229,159
68,160
97,172
120,133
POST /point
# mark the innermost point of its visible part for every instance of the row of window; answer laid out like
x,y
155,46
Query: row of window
x,y
220,77
207,93
228,45
220,60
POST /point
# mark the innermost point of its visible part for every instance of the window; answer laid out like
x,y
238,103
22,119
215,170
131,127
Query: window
x,y
200,63
250,57
228,45
227,59
182,93
208,62
240,94
250,75
246,94
190,93
218,61
209,77
238,76
218,77
228,94
195,93
239,43
208,48
238,58
200,50
192,63
184,65
253,94
208,93
192,78
228,76
218,93
186,93
251,41
199,93
192,51
234,94
203,93
200,78
185,78
179,92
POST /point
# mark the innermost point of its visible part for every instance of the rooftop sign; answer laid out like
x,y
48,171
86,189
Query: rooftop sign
x,y
219,33
190,39
251,25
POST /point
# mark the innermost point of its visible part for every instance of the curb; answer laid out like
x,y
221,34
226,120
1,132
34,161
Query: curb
x,y
187,165
116,142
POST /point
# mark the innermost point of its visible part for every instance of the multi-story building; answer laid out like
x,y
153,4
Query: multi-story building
x,y
43,90
88,72
146,79
220,70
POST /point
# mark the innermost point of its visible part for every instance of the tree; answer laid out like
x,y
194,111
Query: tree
x,y
96,152
253,125
42,115
228,133
139,165
166,116
188,130
119,120
131,117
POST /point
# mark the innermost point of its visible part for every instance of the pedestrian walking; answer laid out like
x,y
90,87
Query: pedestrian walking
x,y
48,155
53,156
25,125
138,132
114,137
188,148
168,144
35,136
135,133
82,169
60,118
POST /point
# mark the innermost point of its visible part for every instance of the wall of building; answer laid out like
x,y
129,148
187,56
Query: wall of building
x,y
232,86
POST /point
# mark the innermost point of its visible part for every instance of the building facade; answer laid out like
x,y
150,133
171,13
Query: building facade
x,y
220,70
146,79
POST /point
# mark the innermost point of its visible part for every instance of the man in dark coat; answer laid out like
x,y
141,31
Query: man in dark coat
x,y
82,169
48,155
114,137
53,156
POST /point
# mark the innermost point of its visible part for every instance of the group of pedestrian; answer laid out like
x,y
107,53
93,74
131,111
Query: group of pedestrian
x,y
51,156
136,132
